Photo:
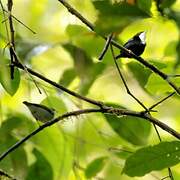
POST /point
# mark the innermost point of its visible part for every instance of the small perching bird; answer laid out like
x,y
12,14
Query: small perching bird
x,y
40,112
136,44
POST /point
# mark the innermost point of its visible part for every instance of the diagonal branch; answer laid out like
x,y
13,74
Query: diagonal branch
x,y
18,22
47,124
142,114
105,109
77,14
58,86
114,43
162,100
123,80
129,92
106,46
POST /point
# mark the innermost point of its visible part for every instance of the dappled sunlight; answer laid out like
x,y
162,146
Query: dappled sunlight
x,y
70,108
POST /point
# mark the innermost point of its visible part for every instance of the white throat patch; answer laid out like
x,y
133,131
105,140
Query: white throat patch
x,y
142,36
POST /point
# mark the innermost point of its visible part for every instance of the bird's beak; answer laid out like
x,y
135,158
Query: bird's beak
x,y
142,36
25,102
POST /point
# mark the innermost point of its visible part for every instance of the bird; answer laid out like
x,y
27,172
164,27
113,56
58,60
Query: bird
x,y
136,44
40,112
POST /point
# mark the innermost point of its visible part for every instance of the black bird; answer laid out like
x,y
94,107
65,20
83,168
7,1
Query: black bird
x,y
136,44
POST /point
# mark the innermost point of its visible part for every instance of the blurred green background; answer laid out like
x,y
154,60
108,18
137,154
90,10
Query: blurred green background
x,y
66,51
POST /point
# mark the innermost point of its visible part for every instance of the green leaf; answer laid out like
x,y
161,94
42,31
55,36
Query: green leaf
x,y
157,157
140,73
175,15
15,122
15,126
178,55
132,129
157,85
167,3
122,153
67,77
16,162
158,64
56,149
10,86
170,49
114,17
84,39
26,49
2,33
96,70
5,176
76,31
41,168
95,166
84,67
82,62
145,5
56,103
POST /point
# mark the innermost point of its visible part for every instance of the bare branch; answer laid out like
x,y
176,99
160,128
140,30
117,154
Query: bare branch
x,y
97,103
19,22
108,41
105,109
124,82
162,100
114,43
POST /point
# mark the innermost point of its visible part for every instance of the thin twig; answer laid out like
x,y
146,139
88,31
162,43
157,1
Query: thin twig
x,y
31,77
106,46
124,82
162,100
165,177
2,174
114,149
11,42
19,22
170,174
11,27
77,14
174,76
4,16
129,92
97,103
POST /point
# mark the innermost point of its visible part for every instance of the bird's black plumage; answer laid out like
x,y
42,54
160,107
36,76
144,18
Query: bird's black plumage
x,y
136,44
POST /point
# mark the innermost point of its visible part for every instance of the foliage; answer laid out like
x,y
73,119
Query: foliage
x,y
66,51
163,155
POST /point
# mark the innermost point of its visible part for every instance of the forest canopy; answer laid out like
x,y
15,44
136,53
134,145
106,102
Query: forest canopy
x,y
69,109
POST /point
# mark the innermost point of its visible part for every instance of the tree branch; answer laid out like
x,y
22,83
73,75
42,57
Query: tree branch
x,y
105,109
114,43
142,114
19,22
162,100
123,80
58,86
106,46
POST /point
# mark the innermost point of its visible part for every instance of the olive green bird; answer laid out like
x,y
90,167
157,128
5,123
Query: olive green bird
x,y
40,112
